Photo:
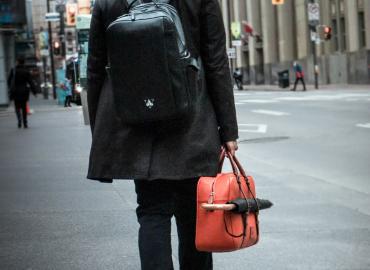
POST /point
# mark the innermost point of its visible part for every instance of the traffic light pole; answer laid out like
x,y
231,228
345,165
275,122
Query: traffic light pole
x,y
51,53
314,53
62,39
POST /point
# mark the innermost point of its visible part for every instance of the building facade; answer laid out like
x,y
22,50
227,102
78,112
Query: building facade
x,y
273,36
13,34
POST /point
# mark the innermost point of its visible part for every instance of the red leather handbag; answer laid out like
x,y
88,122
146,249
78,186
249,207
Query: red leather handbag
x,y
227,210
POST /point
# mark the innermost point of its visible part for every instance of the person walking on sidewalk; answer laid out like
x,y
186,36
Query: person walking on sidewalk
x,y
67,87
299,75
165,163
20,84
238,77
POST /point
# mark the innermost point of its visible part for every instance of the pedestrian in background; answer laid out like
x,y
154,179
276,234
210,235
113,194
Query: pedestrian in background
x,y
20,85
299,75
67,87
166,164
238,77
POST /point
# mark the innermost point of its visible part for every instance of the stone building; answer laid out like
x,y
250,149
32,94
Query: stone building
x,y
281,35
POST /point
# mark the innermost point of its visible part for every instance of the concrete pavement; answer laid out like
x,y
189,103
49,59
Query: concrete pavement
x,y
307,153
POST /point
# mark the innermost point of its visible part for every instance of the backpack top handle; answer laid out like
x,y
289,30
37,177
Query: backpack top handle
x,y
131,3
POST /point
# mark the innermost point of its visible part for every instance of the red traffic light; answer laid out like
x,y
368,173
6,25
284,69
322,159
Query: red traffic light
x,y
327,32
56,44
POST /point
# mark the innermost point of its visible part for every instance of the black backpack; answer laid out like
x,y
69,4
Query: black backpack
x,y
149,65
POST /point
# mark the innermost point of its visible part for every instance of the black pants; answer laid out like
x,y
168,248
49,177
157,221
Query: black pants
x,y
67,101
21,111
296,81
158,201
239,83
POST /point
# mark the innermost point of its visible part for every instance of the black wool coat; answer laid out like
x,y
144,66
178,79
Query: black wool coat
x,y
20,84
120,151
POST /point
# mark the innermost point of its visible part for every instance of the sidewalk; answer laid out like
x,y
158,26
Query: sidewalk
x,y
51,216
38,104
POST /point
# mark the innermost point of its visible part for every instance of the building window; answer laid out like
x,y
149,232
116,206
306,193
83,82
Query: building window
x,y
334,38
361,29
343,34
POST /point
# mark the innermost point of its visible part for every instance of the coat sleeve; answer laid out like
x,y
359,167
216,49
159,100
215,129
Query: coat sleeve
x,y
31,83
96,62
216,65
10,88
10,77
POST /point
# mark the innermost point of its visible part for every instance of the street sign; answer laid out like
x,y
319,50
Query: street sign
x,y
83,21
231,53
236,30
313,36
52,17
237,43
313,13
44,52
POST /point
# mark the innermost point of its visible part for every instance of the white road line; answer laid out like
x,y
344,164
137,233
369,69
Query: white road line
x,y
242,94
253,128
260,101
276,113
366,125
322,97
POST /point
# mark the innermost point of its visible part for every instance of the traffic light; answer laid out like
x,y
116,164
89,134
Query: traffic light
x,y
277,2
71,13
56,47
327,32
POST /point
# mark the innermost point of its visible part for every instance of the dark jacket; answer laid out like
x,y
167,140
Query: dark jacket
x,y
21,84
125,152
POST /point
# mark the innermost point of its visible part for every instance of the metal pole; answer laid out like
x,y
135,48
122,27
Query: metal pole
x,y
61,10
45,89
314,53
229,30
51,53
339,27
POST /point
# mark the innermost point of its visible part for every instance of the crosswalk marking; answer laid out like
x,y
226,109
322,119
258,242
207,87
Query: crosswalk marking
x,y
366,125
260,101
253,128
276,113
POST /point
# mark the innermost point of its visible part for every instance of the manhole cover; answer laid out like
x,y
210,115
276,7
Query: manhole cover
x,y
264,139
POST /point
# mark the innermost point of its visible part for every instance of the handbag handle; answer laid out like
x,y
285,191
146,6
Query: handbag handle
x,y
235,164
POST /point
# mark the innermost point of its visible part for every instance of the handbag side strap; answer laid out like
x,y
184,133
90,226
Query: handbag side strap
x,y
221,160
234,166
240,167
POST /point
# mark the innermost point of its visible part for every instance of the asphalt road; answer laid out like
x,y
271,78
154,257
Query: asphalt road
x,y
309,153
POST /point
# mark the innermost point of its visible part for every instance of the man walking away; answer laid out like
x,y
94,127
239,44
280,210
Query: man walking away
x,y
166,163
20,84
299,75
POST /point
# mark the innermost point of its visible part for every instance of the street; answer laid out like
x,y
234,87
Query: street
x,y
309,153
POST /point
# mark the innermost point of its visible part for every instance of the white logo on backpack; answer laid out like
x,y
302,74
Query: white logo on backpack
x,y
149,103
